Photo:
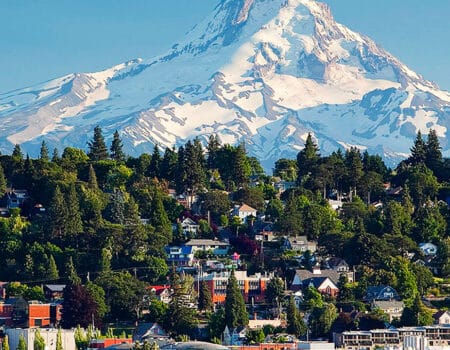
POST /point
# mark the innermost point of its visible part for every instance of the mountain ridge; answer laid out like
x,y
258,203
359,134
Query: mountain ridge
x,y
265,72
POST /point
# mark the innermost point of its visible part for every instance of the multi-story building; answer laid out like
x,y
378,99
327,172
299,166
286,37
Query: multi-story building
x,y
22,314
253,288
419,338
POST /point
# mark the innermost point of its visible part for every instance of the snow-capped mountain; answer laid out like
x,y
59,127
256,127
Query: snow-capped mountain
x,y
266,72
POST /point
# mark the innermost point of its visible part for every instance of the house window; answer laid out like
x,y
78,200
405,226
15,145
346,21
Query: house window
x,y
38,322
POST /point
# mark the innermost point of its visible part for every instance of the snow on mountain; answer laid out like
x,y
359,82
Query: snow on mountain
x,y
265,72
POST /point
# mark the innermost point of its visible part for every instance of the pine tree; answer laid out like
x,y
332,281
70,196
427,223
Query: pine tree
x,y
181,174
307,159
235,311
57,215
295,324
418,150
43,156
116,207
433,154
2,181
74,225
155,163
22,345
241,167
168,166
354,167
39,342
97,147
116,149
53,273
5,344
17,155
71,273
204,298
92,179
158,215
55,156
212,149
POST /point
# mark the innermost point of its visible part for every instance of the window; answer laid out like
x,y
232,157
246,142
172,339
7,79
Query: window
x,y
38,322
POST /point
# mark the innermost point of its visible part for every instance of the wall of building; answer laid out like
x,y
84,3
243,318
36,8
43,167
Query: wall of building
x,y
49,335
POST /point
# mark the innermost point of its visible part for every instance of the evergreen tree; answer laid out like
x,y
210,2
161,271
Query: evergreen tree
x,y
418,150
182,298
55,156
181,172
22,345
59,343
168,166
2,181
307,159
53,273
115,210
235,311
158,215
354,167
274,291
116,149
212,148
92,178
5,344
295,324
71,273
57,215
74,225
155,163
204,298
194,167
433,154
43,156
416,314
97,147
135,237
39,342
17,155
241,167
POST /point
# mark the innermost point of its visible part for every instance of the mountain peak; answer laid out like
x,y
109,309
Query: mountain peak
x,y
265,72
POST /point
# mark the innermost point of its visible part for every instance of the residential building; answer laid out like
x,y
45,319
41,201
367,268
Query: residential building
x,y
149,332
190,227
214,246
337,264
162,293
323,285
442,317
243,212
299,244
303,275
16,198
180,255
54,291
253,287
393,308
20,313
381,293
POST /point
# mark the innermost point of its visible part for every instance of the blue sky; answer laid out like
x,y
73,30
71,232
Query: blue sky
x,y
45,39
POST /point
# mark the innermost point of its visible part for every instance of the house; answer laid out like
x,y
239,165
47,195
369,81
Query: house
x,y
393,308
381,293
180,255
442,317
243,212
54,291
235,337
214,246
149,332
428,249
337,264
299,244
190,227
323,285
16,198
303,274
162,293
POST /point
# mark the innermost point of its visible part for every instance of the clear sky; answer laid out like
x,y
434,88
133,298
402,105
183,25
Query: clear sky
x,y
45,39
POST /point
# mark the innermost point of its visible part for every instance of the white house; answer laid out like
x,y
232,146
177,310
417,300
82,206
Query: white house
x,y
243,212
190,227
428,249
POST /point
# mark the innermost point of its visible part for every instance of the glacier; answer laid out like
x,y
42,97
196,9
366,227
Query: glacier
x,y
262,72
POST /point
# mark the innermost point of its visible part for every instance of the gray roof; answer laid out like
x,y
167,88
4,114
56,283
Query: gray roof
x,y
386,304
331,274
55,287
212,242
